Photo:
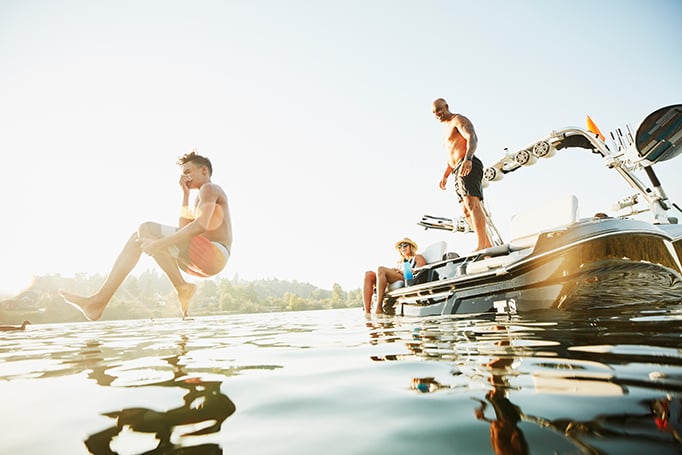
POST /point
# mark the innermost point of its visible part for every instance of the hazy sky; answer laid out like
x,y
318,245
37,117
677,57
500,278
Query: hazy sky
x,y
316,115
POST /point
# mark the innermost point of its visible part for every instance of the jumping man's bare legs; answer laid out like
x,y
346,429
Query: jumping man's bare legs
x,y
93,306
168,264
184,289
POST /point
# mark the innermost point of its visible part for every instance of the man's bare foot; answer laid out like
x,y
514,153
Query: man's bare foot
x,y
185,294
90,307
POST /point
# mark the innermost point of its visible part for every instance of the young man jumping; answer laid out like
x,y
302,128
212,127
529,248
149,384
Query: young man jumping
x,y
199,246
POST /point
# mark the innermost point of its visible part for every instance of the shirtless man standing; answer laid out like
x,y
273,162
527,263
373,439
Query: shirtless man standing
x,y
199,246
461,141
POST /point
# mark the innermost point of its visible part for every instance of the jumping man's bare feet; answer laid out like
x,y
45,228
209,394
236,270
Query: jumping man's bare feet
x,y
185,294
89,306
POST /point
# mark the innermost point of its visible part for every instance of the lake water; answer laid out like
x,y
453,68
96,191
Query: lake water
x,y
335,382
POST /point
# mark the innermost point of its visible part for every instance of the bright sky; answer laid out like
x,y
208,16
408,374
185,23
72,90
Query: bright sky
x,y
316,115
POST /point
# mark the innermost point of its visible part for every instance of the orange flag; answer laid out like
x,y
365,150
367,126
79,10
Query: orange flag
x,y
592,128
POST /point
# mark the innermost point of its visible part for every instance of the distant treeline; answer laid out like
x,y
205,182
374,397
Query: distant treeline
x,y
150,295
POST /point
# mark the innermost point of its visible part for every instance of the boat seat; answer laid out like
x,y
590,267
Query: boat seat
x,y
396,285
495,262
527,226
434,252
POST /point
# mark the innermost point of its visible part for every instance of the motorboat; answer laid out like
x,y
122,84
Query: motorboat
x,y
555,259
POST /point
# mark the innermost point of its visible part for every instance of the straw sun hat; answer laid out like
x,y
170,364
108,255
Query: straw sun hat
x,y
406,240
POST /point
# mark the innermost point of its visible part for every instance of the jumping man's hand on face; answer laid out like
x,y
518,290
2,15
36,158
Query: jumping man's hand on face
x,y
185,181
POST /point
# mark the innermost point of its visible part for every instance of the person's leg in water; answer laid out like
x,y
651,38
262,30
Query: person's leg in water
x,y
368,289
385,276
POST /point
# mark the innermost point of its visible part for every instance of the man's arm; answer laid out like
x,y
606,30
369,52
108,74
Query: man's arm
x,y
446,174
466,129
208,197
208,213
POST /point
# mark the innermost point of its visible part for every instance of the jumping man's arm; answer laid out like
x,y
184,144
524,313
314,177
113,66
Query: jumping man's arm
x,y
206,219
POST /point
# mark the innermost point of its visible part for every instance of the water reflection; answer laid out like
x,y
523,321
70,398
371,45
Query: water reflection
x,y
621,370
203,410
92,359
505,435
556,382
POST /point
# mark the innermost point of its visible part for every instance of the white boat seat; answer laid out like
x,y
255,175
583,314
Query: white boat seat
x,y
434,252
526,226
495,262
434,255
396,285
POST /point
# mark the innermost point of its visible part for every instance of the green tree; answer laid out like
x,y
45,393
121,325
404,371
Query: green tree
x,y
338,299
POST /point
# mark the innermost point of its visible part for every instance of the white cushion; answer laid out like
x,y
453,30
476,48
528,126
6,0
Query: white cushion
x,y
396,285
527,225
434,252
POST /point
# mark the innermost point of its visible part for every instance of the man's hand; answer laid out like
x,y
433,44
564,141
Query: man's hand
x,y
184,183
465,168
150,246
446,176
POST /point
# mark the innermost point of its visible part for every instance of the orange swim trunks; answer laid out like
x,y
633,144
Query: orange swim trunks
x,y
200,257
203,258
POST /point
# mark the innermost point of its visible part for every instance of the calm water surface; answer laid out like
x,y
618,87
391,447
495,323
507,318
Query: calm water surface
x,y
335,382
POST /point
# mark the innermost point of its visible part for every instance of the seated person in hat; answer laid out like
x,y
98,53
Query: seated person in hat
x,y
384,276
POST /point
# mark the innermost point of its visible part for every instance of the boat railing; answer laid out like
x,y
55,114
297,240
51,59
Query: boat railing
x,y
622,156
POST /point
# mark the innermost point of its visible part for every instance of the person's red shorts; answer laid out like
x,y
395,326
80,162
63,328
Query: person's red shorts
x,y
203,257
200,257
